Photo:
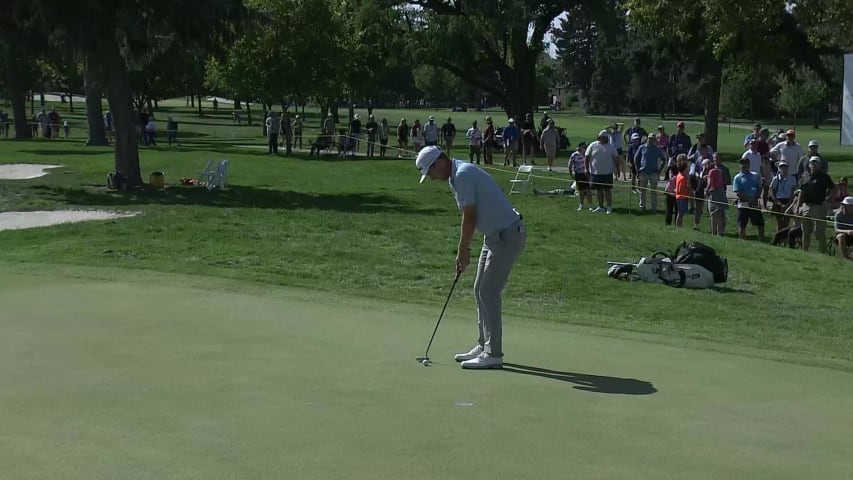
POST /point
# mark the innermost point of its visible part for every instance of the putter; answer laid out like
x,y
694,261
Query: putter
x,y
426,354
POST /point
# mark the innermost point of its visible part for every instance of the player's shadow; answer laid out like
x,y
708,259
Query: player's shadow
x,y
586,382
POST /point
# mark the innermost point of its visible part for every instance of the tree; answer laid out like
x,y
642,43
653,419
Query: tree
x,y
19,43
119,36
802,92
493,45
576,40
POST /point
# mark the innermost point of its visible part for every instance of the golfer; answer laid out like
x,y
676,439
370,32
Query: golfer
x,y
484,206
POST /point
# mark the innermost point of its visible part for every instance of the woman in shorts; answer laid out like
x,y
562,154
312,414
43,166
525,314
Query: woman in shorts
x,y
577,168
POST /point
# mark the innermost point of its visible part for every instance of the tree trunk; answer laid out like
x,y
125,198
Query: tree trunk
x,y
519,91
70,103
192,101
18,96
94,116
200,114
32,103
156,104
712,104
249,113
120,96
237,105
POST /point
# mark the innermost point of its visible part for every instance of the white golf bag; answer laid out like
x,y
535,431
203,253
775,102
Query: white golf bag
x,y
662,270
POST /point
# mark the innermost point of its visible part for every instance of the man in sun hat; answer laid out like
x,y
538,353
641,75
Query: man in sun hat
x,y
484,207
816,189
844,227
788,150
602,162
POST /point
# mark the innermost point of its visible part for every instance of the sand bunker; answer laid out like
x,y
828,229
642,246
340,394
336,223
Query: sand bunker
x,y
23,171
19,220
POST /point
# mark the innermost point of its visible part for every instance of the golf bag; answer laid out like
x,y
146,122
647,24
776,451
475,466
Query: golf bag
x,y
696,253
694,265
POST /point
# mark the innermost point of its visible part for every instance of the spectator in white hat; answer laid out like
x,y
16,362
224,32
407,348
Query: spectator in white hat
x,y
844,227
510,139
782,188
803,164
431,132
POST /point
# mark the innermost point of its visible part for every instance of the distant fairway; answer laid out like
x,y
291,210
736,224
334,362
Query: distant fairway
x,y
164,376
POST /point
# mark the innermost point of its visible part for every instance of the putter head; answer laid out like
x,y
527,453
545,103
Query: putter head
x,y
425,361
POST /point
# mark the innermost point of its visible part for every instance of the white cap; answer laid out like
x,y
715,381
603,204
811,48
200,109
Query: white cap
x,y
635,136
813,143
511,120
848,200
426,157
814,160
603,133
431,118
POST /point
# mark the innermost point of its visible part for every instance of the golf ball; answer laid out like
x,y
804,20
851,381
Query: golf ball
x,y
425,362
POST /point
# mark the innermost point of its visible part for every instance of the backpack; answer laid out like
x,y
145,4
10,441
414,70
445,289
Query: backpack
x,y
116,181
661,269
696,253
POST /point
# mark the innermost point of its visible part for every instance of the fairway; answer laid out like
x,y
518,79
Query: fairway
x,y
146,376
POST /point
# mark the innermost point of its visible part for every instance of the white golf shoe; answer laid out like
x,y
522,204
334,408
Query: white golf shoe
x,y
473,353
482,361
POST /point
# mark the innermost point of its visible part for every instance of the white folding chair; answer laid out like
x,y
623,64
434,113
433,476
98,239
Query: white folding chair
x,y
521,182
220,177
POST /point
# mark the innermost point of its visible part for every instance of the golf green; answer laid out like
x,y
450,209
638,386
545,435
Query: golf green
x,y
150,376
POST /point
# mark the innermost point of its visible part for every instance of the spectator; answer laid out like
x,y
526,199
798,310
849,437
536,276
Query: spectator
x,y
716,197
549,140
697,155
431,132
510,139
602,162
782,188
66,128
402,138
747,186
682,190
727,174
235,117
636,129
55,121
44,124
543,124
679,143
475,142
802,166
171,131
287,133
528,140
418,136
616,140
4,124
669,190
756,132
488,141
662,139
273,125
577,168
297,131
844,227
383,137
649,159
371,127
789,150
757,165
816,191
329,126
842,191
633,147
151,131
448,133
355,131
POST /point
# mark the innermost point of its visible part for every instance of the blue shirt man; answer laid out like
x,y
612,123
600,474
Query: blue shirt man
x,y
747,186
484,206
649,158
510,133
